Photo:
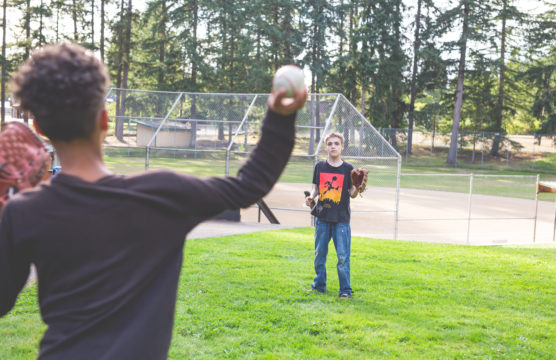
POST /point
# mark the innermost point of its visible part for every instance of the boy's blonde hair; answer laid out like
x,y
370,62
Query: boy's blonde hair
x,y
334,134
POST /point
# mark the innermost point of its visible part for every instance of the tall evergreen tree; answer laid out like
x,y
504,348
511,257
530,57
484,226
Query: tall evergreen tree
x,y
507,13
413,91
385,61
317,15
541,72
160,53
473,16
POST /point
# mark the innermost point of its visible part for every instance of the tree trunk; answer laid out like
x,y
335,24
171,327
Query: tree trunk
x,y
416,45
396,113
341,31
500,103
3,94
74,18
119,66
119,60
162,49
312,117
40,23
352,49
288,57
276,45
317,115
363,91
453,152
102,30
193,138
58,6
92,24
27,30
125,70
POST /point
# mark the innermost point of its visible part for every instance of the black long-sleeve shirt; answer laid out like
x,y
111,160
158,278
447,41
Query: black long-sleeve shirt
x,y
108,253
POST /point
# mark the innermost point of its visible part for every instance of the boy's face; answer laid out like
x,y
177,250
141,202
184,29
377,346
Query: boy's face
x,y
334,146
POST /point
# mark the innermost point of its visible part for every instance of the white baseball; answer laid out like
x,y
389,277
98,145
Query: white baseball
x,y
289,77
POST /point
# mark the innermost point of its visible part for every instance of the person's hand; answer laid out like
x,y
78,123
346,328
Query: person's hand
x,y
286,106
308,201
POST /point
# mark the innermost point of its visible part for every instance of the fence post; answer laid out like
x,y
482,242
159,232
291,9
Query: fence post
x,y
536,209
381,132
409,133
483,149
469,206
228,162
396,214
147,155
554,230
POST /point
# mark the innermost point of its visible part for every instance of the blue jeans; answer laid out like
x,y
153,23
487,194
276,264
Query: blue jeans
x,y
341,234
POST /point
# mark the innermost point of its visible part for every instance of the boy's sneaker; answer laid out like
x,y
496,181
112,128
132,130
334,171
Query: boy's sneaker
x,y
345,296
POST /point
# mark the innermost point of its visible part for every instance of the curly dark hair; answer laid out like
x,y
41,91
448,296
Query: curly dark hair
x,y
63,86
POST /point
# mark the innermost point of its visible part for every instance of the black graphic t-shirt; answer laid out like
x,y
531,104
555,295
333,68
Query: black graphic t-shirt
x,y
333,184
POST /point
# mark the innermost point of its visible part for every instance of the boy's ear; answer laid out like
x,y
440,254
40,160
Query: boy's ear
x,y
104,120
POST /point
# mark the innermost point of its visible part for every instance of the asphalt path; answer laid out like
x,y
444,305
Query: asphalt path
x,y
425,215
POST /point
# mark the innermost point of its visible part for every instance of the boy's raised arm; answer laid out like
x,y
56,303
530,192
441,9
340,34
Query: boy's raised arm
x,y
261,170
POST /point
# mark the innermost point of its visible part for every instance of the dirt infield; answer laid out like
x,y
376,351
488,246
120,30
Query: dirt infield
x,y
424,215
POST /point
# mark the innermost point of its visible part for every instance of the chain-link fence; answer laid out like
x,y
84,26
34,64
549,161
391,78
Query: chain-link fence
x,y
474,209
213,134
483,149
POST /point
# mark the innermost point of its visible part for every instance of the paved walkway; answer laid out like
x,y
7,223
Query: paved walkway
x,y
427,215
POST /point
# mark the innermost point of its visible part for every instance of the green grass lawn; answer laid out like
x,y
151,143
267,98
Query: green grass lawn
x,y
245,296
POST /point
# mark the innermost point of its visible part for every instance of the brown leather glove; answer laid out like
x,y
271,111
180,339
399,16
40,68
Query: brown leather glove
x,y
359,179
24,160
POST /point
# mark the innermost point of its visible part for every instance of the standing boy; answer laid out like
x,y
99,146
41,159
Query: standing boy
x,y
107,248
333,183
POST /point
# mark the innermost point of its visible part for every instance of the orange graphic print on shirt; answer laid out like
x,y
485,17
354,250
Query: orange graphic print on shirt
x,y
330,187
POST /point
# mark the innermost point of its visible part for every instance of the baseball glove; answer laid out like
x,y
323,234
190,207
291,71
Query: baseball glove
x,y
359,179
24,160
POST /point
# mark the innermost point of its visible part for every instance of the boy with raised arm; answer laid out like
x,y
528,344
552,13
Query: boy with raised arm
x,y
108,248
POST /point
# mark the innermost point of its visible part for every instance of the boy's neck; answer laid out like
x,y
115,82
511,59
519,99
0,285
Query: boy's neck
x,y
82,159
335,160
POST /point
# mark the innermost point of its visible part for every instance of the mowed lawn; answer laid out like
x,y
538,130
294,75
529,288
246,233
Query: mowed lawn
x,y
245,296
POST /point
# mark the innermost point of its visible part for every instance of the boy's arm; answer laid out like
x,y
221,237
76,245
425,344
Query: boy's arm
x,y
14,266
353,192
312,197
207,197
315,191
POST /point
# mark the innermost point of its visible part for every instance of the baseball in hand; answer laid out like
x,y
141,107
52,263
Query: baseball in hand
x,y
289,77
